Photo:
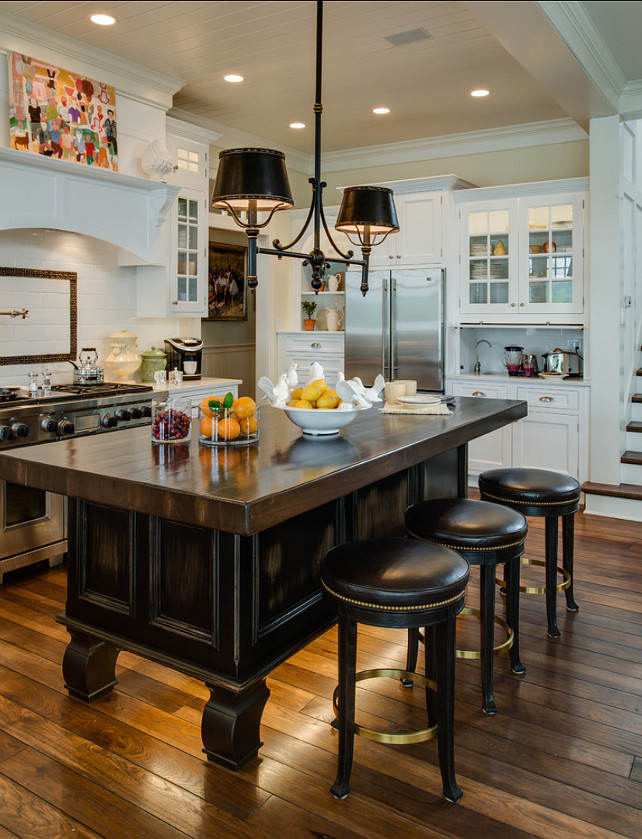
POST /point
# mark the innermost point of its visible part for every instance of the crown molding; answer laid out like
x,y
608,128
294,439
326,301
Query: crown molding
x,y
456,145
234,138
576,29
189,131
129,79
631,100
561,186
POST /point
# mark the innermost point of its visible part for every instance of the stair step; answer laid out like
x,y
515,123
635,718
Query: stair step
x,y
635,426
637,397
615,490
632,457
638,372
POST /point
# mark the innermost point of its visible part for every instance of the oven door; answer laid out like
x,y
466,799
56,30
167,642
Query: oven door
x,y
29,519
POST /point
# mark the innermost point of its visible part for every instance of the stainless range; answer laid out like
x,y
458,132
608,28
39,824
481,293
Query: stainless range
x,y
33,525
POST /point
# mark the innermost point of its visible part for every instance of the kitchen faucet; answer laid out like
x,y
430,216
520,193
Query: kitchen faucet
x,y
477,367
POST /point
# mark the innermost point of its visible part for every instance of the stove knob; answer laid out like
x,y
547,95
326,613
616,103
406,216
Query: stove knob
x,y
136,413
49,424
123,414
66,427
20,429
109,421
147,411
6,432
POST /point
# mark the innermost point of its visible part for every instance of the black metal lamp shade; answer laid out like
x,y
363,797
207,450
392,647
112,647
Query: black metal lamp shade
x,y
367,211
252,179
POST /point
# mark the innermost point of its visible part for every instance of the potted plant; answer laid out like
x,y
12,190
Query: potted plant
x,y
308,307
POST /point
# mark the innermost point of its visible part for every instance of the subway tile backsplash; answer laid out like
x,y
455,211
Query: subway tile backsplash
x,y
106,301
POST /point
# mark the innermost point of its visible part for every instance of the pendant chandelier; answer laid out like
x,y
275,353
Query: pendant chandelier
x,y
252,181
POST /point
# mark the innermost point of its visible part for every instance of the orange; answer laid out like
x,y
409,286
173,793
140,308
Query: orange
x,y
228,428
244,406
206,425
205,408
248,425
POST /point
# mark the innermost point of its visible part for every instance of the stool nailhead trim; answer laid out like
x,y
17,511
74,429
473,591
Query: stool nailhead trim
x,y
394,608
465,547
530,503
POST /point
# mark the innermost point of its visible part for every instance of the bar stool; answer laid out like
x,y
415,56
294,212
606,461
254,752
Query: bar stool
x,y
397,583
539,492
486,535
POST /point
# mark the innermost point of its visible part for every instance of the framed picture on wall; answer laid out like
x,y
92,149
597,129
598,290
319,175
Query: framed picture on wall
x,y
226,288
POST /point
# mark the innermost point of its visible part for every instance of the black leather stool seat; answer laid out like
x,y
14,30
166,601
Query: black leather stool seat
x,y
538,491
551,495
394,575
397,583
467,525
486,535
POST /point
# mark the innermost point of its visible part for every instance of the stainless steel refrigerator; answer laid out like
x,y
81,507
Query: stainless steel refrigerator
x,y
397,329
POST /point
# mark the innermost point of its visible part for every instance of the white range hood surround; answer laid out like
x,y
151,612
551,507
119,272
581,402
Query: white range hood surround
x,y
43,192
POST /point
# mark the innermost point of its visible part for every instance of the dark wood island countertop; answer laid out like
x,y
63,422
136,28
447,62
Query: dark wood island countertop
x,y
245,489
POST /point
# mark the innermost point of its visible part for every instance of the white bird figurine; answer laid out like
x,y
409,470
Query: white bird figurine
x,y
293,376
349,392
277,394
370,393
316,372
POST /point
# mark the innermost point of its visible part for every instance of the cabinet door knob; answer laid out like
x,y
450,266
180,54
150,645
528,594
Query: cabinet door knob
x,y
521,304
390,256
546,399
478,393
316,346
513,305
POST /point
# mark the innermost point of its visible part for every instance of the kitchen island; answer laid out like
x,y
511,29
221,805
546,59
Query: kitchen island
x,y
207,560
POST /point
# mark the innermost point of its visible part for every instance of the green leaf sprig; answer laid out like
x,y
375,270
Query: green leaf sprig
x,y
221,409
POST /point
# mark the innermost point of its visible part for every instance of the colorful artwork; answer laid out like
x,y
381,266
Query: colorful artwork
x,y
61,114
226,286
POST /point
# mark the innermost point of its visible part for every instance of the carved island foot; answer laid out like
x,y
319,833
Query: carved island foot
x,y
231,724
89,666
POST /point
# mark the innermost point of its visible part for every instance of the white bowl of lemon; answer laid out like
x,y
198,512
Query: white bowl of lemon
x,y
318,411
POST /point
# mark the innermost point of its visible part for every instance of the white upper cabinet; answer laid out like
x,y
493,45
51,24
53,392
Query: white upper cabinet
x,y
522,256
419,241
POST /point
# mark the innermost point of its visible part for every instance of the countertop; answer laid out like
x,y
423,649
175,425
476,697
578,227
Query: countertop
x,y
245,489
503,378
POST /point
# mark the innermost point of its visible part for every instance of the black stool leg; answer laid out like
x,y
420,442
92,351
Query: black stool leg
x,y
346,703
551,576
445,672
430,669
487,603
411,657
568,534
511,575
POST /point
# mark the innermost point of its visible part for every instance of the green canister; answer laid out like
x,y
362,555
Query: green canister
x,y
152,360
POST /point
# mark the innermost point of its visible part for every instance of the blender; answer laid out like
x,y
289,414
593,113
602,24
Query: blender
x,y
513,360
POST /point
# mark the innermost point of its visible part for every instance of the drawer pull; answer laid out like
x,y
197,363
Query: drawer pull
x,y
316,346
478,393
546,399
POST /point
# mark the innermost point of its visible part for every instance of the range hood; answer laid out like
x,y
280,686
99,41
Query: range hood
x,y
43,192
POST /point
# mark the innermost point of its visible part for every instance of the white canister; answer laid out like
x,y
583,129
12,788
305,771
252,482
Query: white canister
x,y
123,359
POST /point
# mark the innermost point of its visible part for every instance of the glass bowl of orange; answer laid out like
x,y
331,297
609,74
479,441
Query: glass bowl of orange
x,y
228,421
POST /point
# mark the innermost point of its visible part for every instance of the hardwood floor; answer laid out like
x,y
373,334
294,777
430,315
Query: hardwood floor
x,y
562,758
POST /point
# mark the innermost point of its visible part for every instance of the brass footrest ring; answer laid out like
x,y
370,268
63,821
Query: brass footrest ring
x,y
539,589
404,738
500,648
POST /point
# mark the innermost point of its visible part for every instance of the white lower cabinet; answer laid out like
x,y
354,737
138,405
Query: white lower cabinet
x,y
303,348
554,434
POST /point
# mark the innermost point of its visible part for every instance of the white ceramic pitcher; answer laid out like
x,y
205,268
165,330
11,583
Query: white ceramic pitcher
x,y
334,319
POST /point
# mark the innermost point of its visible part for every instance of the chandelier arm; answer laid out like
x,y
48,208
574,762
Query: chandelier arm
x,y
276,243
252,224
348,254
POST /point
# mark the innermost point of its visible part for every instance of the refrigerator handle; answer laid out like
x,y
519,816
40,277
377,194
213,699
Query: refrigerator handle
x,y
385,329
393,328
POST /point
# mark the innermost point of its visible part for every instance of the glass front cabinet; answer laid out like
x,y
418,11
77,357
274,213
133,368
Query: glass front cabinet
x,y
523,257
189,251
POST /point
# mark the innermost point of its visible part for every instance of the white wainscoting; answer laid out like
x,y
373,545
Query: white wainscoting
x,y
232,361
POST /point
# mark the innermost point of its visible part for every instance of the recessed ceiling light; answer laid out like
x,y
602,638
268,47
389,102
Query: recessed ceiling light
x,y
233,77
381,110
103,20
479,93
297,125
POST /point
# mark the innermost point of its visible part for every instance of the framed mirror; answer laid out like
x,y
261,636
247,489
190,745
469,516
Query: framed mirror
x,y
51,326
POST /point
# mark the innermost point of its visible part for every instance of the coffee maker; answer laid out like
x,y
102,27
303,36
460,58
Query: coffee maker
x,y
184,354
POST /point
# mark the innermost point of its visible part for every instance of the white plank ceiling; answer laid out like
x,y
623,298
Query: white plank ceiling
x,y
271,43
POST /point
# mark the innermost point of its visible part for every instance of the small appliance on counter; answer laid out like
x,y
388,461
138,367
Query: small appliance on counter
x,y
185,354
513,360
568,364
